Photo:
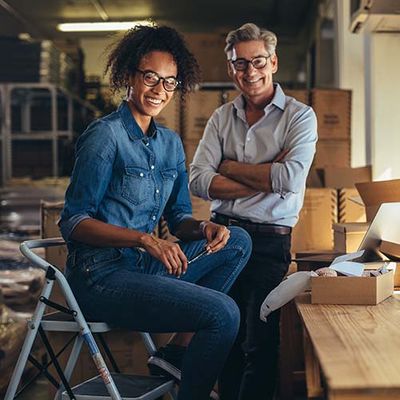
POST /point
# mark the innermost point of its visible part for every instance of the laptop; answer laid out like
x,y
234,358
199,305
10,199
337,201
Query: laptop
x,y
384,226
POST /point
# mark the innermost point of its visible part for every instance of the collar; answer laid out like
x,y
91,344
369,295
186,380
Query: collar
x,y
133,129
279,99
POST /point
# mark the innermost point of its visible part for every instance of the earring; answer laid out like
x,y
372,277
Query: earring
x,y
129,91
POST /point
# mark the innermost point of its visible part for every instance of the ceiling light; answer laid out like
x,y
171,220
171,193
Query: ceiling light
x,y
101,26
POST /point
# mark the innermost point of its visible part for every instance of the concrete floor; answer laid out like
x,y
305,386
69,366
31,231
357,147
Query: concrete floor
x,y
38,391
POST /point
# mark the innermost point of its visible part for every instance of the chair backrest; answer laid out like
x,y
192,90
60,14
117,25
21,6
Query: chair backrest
x,y
26,249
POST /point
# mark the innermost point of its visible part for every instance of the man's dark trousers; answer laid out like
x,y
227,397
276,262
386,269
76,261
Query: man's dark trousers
x,y
250,371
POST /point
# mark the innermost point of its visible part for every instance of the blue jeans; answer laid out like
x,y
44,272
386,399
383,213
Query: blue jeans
x,y
130,289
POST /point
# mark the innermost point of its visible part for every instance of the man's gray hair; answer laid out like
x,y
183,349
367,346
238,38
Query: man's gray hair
x,y
249,32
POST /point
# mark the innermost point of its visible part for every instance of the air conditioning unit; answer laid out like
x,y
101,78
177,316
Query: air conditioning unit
x,y
375,16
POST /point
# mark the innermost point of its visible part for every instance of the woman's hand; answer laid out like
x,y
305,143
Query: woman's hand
x,y
217,235
169,253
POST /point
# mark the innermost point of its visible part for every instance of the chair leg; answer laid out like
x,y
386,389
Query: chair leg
x,y
148,343
69,368
33,327
56,363
108,353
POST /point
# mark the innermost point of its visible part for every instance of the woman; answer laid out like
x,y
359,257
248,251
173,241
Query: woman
x,y
128,173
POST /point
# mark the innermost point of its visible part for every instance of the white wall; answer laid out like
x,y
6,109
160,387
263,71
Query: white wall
x,y
349,74
383,105
369,64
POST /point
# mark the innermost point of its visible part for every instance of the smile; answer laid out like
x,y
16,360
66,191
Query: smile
x,y
153,100
251,81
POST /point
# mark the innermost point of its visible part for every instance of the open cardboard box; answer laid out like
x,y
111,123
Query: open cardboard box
x,y
358,289
338,177
373,194
353,290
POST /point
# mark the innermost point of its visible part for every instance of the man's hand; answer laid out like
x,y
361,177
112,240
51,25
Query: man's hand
x,y
169,253
217,235
225,167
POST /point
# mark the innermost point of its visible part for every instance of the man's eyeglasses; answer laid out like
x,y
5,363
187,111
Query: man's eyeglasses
x,y
241,64
151,79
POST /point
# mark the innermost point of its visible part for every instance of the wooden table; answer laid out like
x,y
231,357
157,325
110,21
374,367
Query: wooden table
x,y
357,349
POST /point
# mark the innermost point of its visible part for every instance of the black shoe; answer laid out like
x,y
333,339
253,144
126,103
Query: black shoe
x,y
167,361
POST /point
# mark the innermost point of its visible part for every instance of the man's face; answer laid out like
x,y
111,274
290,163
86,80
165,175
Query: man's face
x,y
255,84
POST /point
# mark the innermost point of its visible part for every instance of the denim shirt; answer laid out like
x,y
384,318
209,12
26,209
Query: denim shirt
x,y
125,178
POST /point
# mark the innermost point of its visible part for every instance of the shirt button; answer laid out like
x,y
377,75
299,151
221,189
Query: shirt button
x,y
157,191
153,217
248,139
152,167
141,174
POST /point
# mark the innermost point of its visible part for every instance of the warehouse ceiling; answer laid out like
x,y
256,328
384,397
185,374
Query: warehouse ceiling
x,y
39,18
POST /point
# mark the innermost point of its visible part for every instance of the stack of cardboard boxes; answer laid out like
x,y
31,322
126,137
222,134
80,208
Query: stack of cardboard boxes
x,y
330,186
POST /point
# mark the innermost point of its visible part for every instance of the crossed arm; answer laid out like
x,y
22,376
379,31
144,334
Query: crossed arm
x,y
239,179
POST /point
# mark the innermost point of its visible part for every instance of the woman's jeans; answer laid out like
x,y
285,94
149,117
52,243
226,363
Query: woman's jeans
x,y
130,289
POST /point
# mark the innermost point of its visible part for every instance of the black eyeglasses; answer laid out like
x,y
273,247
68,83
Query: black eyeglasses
x,y
151,79
241,64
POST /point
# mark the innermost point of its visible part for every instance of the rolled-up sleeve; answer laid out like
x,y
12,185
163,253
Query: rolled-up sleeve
x,y
179,206
289,175
206,160
90,178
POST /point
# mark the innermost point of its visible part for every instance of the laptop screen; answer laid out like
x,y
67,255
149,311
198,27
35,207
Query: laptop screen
x,y
384,226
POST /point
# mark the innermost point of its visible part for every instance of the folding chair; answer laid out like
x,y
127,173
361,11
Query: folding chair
x,y
106,385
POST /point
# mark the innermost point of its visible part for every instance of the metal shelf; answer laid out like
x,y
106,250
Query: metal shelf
x,y
24,96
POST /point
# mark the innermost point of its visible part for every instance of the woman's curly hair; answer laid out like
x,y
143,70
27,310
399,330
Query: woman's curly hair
x,y
126,54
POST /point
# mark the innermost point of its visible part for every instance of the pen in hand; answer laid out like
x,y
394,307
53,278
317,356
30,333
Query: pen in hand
x,y
204,252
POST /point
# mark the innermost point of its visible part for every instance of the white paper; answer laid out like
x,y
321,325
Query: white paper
x,y
348,268
287,290
348,257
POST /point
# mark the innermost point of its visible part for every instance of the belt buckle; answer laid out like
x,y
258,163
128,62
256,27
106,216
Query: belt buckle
x,y
235,222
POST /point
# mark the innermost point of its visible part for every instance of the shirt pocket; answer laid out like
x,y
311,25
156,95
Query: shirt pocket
x,y
168,175
136,185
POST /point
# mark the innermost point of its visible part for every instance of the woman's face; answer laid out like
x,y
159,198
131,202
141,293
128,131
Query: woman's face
x,y
149,101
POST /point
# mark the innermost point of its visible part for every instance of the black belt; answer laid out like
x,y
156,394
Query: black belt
x,y
251,227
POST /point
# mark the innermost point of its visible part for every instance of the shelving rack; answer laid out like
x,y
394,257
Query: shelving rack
x,y
25,96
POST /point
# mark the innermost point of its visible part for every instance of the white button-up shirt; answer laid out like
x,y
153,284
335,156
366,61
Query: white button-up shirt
x,y
286,125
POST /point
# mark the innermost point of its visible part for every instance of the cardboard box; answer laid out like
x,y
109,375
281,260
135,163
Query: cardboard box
x,y
352,290
315,259
332,153
373,194
197,110
190,147
338,177
300,95
348,209
348,236
390,250
170,115
229,95
201,208
333,110
208,48
314,228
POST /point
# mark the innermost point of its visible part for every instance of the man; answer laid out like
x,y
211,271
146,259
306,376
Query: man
x,y
252,163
